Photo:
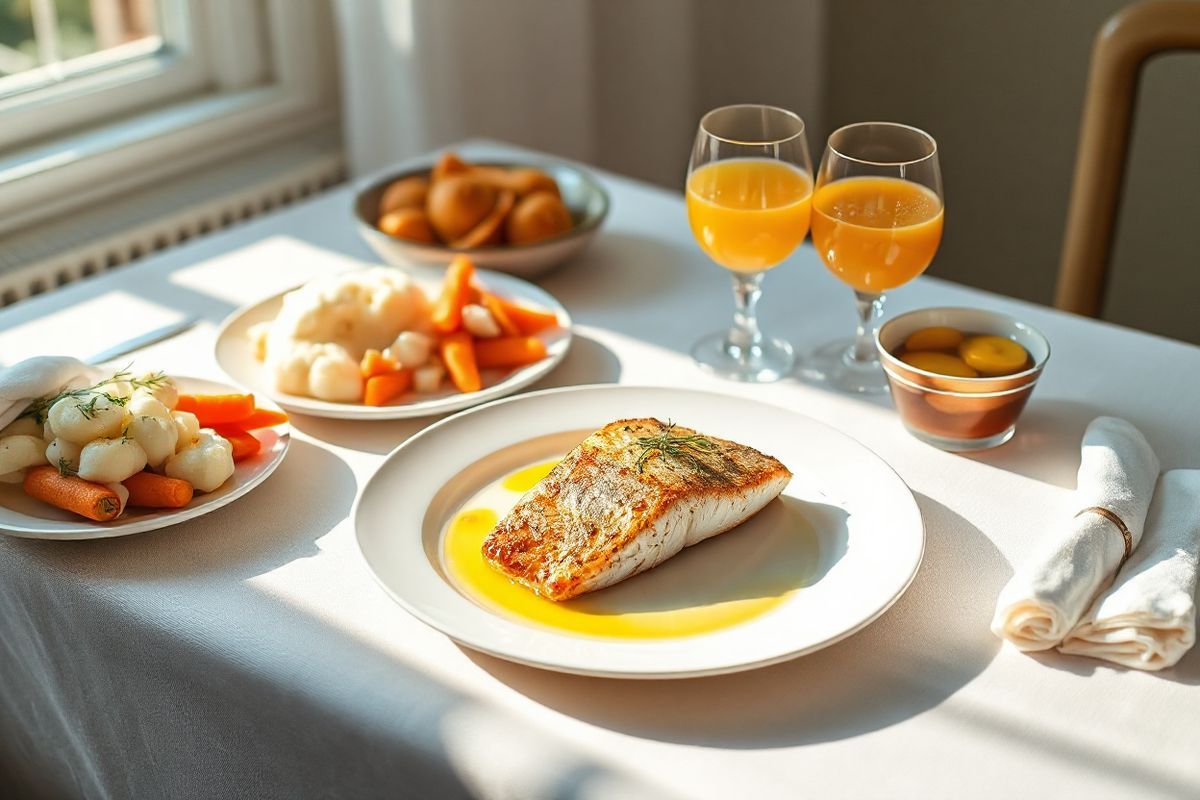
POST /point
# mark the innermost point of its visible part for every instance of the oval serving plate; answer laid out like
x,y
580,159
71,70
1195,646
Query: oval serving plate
x,y
862,528
21,515
236,357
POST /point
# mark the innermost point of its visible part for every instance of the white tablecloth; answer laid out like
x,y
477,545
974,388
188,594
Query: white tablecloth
x,y
250,653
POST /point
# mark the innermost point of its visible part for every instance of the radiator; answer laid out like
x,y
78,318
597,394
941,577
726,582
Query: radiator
x,y
59,253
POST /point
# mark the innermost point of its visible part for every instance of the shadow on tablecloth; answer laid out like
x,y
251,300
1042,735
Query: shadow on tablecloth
x,y
276,524
932,642
1046,445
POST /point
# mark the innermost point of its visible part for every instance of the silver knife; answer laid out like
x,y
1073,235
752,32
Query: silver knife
x,y
143,340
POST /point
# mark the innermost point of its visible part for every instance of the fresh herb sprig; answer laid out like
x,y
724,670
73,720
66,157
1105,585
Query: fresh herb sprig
x,y
38,408
670,445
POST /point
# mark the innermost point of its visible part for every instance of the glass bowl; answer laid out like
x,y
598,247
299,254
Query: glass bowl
x,y
960,414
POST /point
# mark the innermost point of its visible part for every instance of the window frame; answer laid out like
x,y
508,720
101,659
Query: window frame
x,y
254,71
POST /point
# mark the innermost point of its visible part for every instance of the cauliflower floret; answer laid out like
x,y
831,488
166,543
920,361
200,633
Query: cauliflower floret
x,y
61,453
146,405
82,419
479,321
336,377
358,310
206,464
324,371
187,427
411,349
22,426
111,460
17,454
164,389
157,435
315,344
429,377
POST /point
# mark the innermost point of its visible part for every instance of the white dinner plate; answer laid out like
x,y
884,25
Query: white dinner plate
x,y
235,355
857,526
21,515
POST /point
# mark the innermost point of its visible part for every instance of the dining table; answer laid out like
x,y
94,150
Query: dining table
x,y
251,653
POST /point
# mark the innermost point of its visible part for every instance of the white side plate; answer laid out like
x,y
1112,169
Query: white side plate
x,y
867,530
21,515
236,357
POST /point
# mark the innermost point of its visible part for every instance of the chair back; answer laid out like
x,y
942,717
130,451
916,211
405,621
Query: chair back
x,y
1122,46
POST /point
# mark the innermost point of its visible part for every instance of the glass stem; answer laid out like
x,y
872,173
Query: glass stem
x,y
870,309
745,335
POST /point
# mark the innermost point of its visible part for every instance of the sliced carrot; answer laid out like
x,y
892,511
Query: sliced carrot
x,y
496,308
261,418
456,291
527,319
245,444
91,500
458,353
217,409
157,491
376,363
383,389
509,351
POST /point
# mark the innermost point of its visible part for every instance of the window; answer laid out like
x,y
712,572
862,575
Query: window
x,y
97,96
43,42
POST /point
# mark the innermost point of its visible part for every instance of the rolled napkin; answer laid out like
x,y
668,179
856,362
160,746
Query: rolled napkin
x,y
32,378
1076,559
1147,619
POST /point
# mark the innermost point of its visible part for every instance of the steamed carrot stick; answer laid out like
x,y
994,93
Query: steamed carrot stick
x,y
382,389
157,491
456,291
376,363
496,308
244,444
73,494
261,418
509,351
527,319
458,353
217,409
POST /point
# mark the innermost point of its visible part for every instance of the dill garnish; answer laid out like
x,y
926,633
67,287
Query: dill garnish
x,y
38,408
670,445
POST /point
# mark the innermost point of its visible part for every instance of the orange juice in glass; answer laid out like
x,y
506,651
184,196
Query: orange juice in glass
x,y
749,214
749,202
876,223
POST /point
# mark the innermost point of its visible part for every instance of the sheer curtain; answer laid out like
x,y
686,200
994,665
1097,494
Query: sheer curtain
x,y
618,83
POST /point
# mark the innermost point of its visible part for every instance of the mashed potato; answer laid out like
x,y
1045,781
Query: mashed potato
x,y
314,346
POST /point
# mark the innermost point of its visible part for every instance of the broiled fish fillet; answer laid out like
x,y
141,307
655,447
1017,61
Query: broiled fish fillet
x,y
618,505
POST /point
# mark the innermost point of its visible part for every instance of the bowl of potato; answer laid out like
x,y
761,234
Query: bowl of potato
x,y
516,218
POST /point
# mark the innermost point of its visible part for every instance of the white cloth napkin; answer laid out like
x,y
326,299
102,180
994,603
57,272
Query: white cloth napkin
x,y
1147,619
32,378
1078,557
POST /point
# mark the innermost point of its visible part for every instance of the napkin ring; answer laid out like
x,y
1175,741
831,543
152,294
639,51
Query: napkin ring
x,y
1115,520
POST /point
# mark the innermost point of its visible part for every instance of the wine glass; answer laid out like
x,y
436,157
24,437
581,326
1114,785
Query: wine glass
x,y
749,192
876,223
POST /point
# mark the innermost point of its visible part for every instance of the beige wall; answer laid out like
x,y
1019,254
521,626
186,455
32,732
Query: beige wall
x,y
1000,84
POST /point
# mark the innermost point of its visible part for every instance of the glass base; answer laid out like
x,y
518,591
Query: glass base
x,y
962,445
832,365
767,361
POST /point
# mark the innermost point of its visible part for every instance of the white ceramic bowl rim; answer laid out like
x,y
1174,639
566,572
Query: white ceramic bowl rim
x,y
1011,322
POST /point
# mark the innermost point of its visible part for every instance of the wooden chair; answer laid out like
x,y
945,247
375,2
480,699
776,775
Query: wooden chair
x,y
1122,46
